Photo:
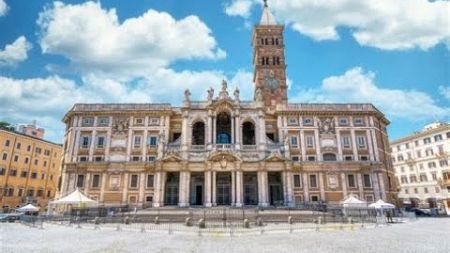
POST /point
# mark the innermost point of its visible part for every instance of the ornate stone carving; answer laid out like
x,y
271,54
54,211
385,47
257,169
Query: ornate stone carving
x,y
224,92
236,94
120,126
210,94
187,96
326,126
258,95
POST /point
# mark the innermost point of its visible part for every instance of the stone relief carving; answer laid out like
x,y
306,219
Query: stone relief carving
x,y
120,126
326,126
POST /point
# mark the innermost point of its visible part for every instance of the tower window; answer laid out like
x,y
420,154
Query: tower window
x,y
273,41
276,41
266,41
262,41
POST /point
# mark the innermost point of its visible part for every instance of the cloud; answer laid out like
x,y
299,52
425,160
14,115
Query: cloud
x,y
3,8
15,52
358,86
239,8
445,91
384,24
94,39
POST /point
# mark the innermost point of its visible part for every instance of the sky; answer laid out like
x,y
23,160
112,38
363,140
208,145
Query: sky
x,y
53,54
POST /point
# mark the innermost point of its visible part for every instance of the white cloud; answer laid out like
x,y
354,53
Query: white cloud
x,y
357,86
3,8
384,24
239,8
15,52
95,40
445,91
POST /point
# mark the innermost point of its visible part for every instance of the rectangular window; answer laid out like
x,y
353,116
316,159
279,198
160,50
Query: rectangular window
x,y
27,160
310,141
308,122
87,122
416,143
294,141
311,158
419,154
407,145
295,158
100,142
343,121
150,181
139,121
348,158
80,181
346,142
136,158
18,145
434,176
5,156
312,181
103,121
33,175
137,141
297,181
16,158
85,140
42,176
20,193
13,172
314,198
367,181
358,121
438,137
443,163
39,193
351,181
83,158
292,121
427,140
24,174
423,178
152,141
151,158
134,181
7,143
36,162
153,121
361,141
98,159
96,181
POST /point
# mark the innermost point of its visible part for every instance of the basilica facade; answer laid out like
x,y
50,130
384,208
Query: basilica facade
x,y
224,151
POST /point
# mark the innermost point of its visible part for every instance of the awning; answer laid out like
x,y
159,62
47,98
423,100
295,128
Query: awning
x,y
75,198
28,208
352,201
380,204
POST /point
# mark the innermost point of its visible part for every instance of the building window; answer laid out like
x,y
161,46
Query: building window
x,y
103,121
149,199
13,172
329,157
429,152
5,156
45,163
406,191
434,176
419,154
151,158
312,181
351,181
407,145
85,142
139,121
80,181
18,145
310,141
87,122
150,181
314,198
416,143
404,180
346,142
361,142
294,141
100,142
311,158
137,141
24,174
98,159
134,181
295,158
153,121
152,141
308,122
40,193
358,121
20,193
431,165
427,140
437,189
297,181
83,158
292,121
369,198
96,181
443,163
343,121
413,179
423,178
49,194
367,181
7,143
16,158
33,175
42,176
348,158
30,193
438,137
364,158
136,158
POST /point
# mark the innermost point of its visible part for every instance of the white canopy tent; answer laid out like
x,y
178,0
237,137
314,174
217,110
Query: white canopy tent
x,y
353,202
75,198
28,208
380,204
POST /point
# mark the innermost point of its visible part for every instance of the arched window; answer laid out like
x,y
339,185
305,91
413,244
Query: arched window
x,y
198,133
248,134
329,157
223,124
267,41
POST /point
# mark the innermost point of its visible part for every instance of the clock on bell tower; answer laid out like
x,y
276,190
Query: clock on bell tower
x,y
268,60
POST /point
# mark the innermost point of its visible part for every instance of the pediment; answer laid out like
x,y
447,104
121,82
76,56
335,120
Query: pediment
x,y
221,155
275,157
172,158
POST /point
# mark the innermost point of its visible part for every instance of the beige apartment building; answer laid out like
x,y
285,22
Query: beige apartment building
x,y
421,163
29,167
224,151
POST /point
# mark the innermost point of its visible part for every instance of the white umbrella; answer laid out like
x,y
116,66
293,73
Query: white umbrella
x,y
28,208
380,204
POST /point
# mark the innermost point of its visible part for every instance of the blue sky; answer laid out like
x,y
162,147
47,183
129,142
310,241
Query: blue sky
x,y
394,54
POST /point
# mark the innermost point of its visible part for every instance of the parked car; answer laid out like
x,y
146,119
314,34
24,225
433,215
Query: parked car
x,y
10,217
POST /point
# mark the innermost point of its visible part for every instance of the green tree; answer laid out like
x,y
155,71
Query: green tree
x,y
6,126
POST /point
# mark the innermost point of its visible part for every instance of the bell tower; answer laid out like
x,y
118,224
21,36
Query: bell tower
x,y
269,61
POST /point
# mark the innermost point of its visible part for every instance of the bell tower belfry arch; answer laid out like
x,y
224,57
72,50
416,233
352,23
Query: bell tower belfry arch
x,y
269,60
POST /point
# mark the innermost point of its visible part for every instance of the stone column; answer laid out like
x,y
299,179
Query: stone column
x,y
77,146
184,189
210,132
130,140
263,188
344,185
303,145
233,188
239,188
103,187
354,145
375,146
158,196
376,186
238,131
233,130
369,144
339,145
322,187
214,188
214,137
305,185
142,177
360,186
92,145
87,183
208,189
125,188
382,187
317,144
144,142
108,144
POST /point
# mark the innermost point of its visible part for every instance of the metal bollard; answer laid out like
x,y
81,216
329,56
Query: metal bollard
x,y
259,222
290,220
188,222
126,220
201,223
156,220
246,223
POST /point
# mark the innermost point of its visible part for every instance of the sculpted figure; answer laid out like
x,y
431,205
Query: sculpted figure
x,y
236,94
187,95
258,95
210,94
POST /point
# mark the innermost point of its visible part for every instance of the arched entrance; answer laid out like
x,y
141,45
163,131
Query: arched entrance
x,y
223,125
198,133
172,189
248,133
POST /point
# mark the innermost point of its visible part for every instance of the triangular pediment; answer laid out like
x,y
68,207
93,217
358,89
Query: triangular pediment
x,y
275,157
172,158
221,155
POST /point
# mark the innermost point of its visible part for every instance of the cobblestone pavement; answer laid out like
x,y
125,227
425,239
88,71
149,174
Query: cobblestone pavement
x,y
424,235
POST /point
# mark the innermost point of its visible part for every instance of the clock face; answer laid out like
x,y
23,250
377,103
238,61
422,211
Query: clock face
x,y
271,81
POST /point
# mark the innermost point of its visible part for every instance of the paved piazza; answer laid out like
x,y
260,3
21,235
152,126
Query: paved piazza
x,y
424,235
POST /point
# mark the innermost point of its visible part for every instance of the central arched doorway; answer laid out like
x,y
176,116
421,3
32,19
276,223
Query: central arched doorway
x,y
248,133
198,133
223,125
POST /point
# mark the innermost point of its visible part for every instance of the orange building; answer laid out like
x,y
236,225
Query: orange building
x,y
29,169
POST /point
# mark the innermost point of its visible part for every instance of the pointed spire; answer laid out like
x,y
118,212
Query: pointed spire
x,y
267,17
